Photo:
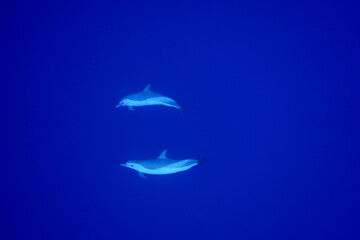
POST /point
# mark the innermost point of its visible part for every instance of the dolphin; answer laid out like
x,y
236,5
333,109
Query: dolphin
x,y
161,165
147,98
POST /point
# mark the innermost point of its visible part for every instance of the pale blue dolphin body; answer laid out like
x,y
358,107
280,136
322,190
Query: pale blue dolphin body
x,y
161,165
147,98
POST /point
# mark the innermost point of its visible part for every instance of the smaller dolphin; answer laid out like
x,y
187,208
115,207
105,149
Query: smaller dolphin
x,y
147,98
161,165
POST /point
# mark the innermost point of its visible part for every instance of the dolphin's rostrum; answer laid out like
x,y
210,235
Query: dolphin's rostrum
x,y
147,98
161,165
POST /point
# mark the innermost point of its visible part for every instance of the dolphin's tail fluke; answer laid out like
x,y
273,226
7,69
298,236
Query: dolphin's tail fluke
x,y
202,161
182,108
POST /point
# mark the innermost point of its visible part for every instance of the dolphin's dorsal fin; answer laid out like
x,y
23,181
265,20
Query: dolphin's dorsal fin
x,y
163,155
147,88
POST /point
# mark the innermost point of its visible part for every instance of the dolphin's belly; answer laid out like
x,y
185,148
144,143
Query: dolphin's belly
x,y
154,101
167,170
138,103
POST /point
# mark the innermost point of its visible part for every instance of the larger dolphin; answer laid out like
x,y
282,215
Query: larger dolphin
x,y
161,165
147,98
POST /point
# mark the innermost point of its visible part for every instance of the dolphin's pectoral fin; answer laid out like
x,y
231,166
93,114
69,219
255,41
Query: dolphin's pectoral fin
x,y
141,174
131,108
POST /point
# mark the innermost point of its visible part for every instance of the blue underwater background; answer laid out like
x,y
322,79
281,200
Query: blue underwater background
x,y
273,95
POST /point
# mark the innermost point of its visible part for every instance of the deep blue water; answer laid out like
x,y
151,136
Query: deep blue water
x,y
272,89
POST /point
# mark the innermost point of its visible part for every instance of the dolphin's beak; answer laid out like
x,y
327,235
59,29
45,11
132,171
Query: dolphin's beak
x,y
118,106
123,164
